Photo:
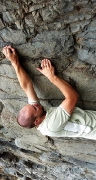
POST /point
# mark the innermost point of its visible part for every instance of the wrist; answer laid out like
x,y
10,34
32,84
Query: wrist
x,y
15,63
52,78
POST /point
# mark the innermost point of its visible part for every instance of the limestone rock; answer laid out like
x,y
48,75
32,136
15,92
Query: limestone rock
x,y
1,24
64,32
13,36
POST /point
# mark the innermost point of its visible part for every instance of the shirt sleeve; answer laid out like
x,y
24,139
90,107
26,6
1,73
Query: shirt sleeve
x,y
64,110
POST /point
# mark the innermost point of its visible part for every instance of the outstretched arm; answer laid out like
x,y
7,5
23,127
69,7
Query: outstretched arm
x,y
23,77
70,94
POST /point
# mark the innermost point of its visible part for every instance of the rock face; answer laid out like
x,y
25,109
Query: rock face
x,y
65,32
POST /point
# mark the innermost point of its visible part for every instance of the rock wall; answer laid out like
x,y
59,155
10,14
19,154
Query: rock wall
x,y
65,32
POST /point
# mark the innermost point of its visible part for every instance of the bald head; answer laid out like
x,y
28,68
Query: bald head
x,y
26,117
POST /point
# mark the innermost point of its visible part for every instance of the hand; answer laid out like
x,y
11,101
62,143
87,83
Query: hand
x,y
11,54
46,68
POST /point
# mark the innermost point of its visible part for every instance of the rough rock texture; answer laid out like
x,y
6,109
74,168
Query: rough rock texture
x,y
65,32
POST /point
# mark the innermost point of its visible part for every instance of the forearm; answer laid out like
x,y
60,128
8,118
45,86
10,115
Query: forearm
x,y
71,96
48,70
22,76
64,87
25,81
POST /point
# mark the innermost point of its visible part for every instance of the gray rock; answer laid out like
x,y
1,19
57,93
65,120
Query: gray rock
x,y
36,7
13,36
1,24
87,55
86,43
8,17
64,32
54,43
29,20
80,26
48,14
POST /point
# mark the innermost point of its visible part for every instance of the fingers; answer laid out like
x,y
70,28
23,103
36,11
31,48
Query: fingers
x,y
45,63
4,50
7,49
12,49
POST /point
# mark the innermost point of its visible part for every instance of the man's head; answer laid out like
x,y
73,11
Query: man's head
x,y
31,115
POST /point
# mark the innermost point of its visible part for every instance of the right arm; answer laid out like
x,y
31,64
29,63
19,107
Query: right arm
x,y
71,96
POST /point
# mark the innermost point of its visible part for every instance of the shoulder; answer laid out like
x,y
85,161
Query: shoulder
x,y
56,119
56,111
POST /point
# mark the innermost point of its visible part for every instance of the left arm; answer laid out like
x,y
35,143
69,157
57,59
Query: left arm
x,y
23,77
25,82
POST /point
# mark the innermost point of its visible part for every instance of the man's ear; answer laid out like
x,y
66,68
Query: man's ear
x,y
36,122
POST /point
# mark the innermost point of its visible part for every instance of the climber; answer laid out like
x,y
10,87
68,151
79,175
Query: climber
x,y
66,120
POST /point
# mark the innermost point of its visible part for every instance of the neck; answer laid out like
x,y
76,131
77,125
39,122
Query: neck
x,y
40,119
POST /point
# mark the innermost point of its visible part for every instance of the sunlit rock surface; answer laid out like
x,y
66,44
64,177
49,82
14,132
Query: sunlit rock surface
x,y
65,32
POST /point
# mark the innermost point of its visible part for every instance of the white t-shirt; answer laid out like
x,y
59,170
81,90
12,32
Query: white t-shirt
x,y
54,122
58,123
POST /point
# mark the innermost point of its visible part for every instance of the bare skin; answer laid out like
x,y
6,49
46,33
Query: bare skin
x,y
71,96
47,70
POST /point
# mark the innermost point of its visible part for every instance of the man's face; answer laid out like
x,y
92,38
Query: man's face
x,y
37,110
31,113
